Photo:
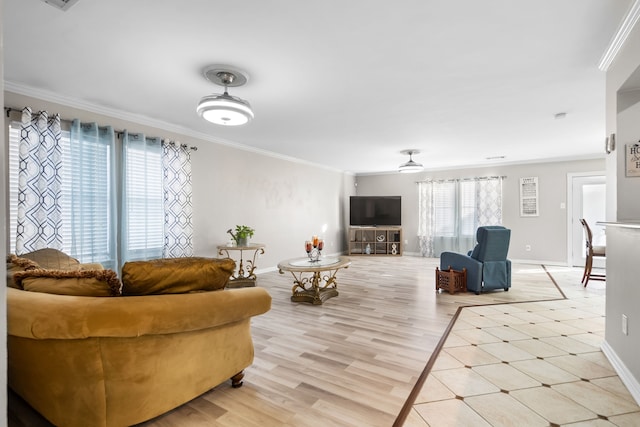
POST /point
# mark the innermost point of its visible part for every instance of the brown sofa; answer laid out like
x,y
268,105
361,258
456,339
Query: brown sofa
x,y
118,361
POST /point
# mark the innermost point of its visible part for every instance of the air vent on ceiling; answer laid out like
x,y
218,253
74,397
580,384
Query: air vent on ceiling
x,y
61,4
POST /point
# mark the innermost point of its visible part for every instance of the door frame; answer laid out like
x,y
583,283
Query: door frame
x,y
570,208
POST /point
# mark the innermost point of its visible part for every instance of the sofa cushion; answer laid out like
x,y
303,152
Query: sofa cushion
x,y
16,264
53,259
176,275
93,283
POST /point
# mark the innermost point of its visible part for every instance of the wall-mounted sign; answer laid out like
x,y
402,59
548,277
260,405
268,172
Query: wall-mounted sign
x,y
529,196
632,164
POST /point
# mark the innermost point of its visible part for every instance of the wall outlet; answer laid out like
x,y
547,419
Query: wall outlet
x,y
625,324
527,248
406,242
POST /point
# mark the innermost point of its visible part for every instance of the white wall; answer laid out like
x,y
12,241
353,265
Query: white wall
x,y
623,244
284,201
628,132
546,234
618,99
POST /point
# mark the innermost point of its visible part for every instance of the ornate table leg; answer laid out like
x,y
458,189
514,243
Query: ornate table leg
x,y
240,279
252,264
311,289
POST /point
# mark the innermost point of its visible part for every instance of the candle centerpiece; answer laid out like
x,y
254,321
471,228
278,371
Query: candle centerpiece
x,y
313,248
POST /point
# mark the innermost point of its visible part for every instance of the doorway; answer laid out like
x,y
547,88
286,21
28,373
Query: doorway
x,y
587,199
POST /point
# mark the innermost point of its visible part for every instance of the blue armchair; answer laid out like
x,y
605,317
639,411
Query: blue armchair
x,y
487,264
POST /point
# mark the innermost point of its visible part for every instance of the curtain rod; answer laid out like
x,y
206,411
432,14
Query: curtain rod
x,y
476,178
9,110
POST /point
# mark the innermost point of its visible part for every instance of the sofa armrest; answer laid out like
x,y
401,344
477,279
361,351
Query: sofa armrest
x,y
46,316
458,262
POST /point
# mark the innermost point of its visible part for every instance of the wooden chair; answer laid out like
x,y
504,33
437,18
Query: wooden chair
x,y
591,252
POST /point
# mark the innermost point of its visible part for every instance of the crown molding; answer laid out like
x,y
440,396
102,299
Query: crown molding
x,y
49,96
620,37
494,165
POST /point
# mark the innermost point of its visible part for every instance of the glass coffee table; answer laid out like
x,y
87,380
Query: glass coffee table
x,y
314,281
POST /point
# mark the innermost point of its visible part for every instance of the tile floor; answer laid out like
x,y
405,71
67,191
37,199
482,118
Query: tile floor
x,y
527,364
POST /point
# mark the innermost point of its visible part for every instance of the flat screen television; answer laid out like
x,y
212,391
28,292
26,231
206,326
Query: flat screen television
x,y
374,210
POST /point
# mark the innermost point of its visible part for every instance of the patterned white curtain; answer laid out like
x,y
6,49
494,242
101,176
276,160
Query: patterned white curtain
x,y
426,219
178,209
39,214
67,193
489,201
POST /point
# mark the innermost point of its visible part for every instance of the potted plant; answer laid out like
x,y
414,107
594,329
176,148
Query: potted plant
x,y
242,234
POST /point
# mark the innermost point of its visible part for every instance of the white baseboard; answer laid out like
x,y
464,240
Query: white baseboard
x,y
538,262
621,369
405,253
516,261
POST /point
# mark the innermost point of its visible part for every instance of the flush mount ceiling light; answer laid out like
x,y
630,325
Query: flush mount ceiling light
x,y
225,109
410,166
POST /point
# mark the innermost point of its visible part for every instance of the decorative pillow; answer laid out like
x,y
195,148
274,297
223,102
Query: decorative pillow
x,y
53,259
176,275
15,265
90,283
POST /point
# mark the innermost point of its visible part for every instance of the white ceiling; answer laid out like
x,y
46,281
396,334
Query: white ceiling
x,y
346,84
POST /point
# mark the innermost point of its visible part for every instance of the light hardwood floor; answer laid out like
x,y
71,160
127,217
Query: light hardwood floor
x,y
350,362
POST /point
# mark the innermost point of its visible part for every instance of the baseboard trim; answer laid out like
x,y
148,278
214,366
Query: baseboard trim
x,y
405,253
623,372
517,261
539,262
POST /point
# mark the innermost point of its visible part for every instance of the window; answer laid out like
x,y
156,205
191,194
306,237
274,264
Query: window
x,y
467,222
92,196
444,196
143,207
450,211
454,208
89,200
14,138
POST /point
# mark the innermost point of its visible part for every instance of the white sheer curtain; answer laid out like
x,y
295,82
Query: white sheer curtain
x,y
92,195
39,211
178,209
426,219
451,211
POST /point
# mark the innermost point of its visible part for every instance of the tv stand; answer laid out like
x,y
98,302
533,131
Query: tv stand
x,y
380,240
